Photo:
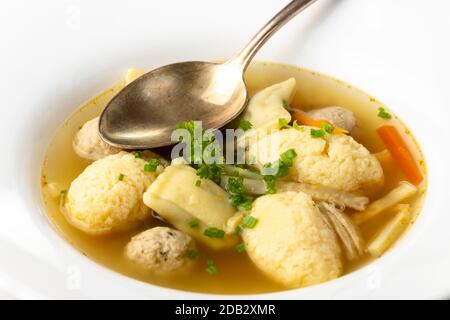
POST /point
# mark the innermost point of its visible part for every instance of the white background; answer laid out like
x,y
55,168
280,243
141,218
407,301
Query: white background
x,y
55,54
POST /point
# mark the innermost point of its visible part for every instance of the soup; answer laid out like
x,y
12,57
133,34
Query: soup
x,y
363,231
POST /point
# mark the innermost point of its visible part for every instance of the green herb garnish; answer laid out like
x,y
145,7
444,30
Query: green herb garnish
x,y
121,177
282,166
214,233
204,169
383,114
283,123
240,248
151,166
296,126
198,183
328,128
241,201
211,268
285,105
192,254
249,222
193,223
235,185
137,154
318,133
245,125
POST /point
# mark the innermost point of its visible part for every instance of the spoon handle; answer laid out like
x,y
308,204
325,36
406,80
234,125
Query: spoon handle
x,y
244,57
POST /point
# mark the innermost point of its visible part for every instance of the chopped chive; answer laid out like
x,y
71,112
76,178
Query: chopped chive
x,y
240,248
193,223
211,268
328,128
121,177
198,183
151,166
383,114
241,201
285,105
249,222
192,254
237,231
283,123
63,193
317,133
137,154
245,125
296,126
214,233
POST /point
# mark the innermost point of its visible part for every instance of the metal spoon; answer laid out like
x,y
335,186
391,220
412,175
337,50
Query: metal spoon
x,y
144,114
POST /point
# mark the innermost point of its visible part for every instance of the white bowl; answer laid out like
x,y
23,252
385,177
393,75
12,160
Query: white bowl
x,y
56,55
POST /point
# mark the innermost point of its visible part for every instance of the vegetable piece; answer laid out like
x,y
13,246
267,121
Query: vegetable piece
x,y
194,223
249,222
192,254
307,121
245,125
283,165
317,133
319,193
211,268
257,187
240,247
230,170
348,232
402,192
283,123
391,232
121,177
151,166
137,154
384,157
383,114
241,201
396,145
214,233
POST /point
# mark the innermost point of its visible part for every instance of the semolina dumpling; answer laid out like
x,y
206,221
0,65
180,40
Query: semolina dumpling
x,y
107,196
335,160
291,242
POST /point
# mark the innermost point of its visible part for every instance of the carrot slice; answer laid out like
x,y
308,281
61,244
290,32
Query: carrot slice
x,y
307,121
402,156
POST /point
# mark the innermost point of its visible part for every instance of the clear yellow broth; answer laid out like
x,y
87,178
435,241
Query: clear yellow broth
x,y
238,275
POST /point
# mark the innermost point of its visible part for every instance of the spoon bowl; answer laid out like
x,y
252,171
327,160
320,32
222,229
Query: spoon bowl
x,y
147,110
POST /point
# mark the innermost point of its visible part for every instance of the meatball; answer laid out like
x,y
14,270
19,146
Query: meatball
x,y
107,196
160,250
291,242
88,144
336,160
337,116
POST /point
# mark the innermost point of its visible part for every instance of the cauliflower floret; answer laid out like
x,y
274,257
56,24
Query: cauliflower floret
x,y
336,160
291,243
88,144
337,116
160,250
107,196
267,106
